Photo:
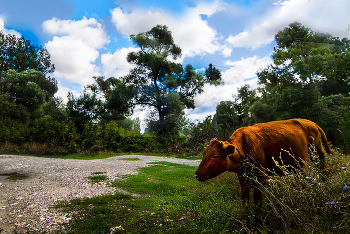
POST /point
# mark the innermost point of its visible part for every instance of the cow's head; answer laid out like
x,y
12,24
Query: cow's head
x,y
218,157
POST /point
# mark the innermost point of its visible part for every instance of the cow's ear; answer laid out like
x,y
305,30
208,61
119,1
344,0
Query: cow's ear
x,y
230,149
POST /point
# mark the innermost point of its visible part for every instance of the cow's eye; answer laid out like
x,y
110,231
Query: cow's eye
x,y
214,156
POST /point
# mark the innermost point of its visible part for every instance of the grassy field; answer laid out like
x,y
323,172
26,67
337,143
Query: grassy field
x,y
165,198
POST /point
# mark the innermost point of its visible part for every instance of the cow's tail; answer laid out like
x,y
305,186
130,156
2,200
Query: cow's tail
x,y
324,141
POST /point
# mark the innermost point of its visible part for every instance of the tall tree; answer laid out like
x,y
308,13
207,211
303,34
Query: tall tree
x,y
84,109
309,78
104,100
306,66
28,88
161,83
227,118
242,102
23,81
20,55
115,96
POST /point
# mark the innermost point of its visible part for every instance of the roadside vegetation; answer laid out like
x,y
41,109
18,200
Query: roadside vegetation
x,y
308,78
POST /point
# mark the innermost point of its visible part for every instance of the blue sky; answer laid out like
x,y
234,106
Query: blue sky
x,y
87,38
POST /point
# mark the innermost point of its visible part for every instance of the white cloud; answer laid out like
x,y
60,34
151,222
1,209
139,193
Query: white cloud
x,y
241,73
73,59
207,101
193,34
244,69
189,30
134,23
226,51
74,48
89,31
115,65
2,24
63,92
319,15
257,37
8,31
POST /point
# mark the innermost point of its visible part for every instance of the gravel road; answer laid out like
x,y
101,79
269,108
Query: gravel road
x,y
30,185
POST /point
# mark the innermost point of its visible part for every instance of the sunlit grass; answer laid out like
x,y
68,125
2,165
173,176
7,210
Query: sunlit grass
x,y
97,177
130,159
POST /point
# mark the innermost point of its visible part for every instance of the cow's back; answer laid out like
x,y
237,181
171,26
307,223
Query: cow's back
x,y
284,140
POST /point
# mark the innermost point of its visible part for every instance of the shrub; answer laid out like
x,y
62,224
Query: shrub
x,y
45,136
308,201
92,137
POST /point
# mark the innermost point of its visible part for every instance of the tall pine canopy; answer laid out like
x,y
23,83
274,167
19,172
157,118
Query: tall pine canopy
x,y
162,83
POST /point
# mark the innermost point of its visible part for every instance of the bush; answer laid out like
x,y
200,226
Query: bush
x,y
308,201
45,136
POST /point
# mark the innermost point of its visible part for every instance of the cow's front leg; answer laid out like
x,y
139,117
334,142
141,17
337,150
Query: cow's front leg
x,y
245,189
258,197
258,194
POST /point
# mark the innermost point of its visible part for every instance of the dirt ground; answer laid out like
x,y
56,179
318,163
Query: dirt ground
x,y
29,186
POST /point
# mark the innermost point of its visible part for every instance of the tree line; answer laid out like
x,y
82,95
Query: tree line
x,y
28,103
309,78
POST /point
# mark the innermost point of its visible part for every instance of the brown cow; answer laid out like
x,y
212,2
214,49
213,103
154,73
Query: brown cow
x,y
264,143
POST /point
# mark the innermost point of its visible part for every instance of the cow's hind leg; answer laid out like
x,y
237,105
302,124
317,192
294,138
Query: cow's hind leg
x,y
320,152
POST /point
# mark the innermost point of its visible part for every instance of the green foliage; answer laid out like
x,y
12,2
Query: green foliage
x,y
28,88
261,112
213,74
53,133
309,201
242,102
103,86
244,110
92,138
157,40
92,107
23,81
227,119
200,133
310,55
130,124
12,114
53,109
303,58
162,84
119,100
309,78
64,138
85,109
332,113
20,55
296,102
97,177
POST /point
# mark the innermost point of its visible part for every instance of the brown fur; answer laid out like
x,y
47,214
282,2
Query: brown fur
x,y
265,143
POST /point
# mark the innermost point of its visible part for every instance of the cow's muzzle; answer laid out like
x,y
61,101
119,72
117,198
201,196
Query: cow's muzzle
x,y
201,179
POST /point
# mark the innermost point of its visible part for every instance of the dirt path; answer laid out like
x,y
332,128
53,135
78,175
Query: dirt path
x,y
29,185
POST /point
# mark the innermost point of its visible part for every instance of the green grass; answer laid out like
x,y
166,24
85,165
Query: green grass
x,y
167,199
97,177
130,159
